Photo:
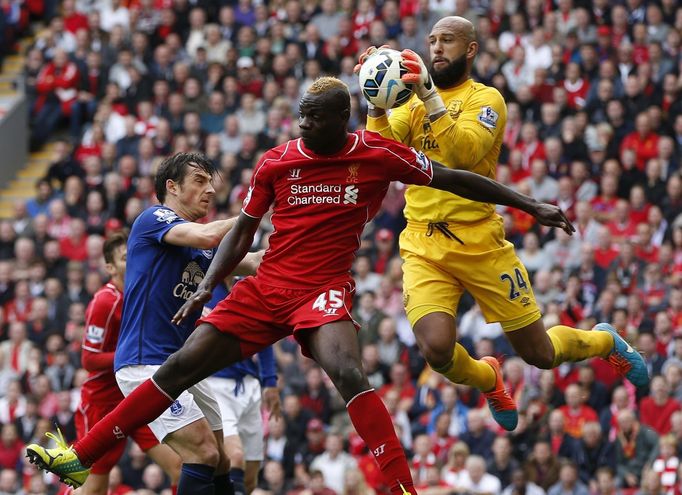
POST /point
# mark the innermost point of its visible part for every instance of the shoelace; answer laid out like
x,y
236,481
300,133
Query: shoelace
x,y
497,397
621,364
58,438
405,492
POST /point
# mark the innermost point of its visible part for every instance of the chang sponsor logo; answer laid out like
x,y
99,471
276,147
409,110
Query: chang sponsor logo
x,y
192,276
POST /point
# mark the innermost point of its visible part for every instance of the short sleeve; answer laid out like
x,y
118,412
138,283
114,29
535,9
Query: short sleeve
x,y
407,164
261,191
155,223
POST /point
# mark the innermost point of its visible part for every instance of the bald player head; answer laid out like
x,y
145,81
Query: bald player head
x,y
453,47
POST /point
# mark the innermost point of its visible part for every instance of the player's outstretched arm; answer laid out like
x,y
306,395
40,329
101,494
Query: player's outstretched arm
x,y
478,188
199,235
231,251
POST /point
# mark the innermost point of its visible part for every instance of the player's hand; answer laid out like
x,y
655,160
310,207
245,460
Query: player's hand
x,y
365,55
195,303
272,403
553,216
418,75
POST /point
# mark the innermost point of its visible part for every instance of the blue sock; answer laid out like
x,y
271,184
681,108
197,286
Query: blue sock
x,y
223,485
196,479
237,477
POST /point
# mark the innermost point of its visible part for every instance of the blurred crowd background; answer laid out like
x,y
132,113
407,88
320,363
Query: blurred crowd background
x,y
594,125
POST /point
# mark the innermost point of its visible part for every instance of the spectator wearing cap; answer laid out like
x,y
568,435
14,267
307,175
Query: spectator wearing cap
x,y
384,242
248,79
298,457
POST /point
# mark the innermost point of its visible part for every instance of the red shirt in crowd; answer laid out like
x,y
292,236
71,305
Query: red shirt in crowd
x,y
604,257
575,421
645,148
657,417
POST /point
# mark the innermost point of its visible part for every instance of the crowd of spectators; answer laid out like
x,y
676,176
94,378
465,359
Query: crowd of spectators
x,y
594,125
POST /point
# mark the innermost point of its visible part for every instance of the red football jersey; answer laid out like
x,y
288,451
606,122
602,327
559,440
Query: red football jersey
x,y
322,203
102,324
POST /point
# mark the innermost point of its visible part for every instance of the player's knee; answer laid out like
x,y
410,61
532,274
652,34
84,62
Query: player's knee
x,y
436,351
236,456
540,358
436,356
350,381
208,454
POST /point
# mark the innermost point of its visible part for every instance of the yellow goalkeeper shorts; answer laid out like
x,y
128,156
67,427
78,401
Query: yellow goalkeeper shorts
x,y
441,262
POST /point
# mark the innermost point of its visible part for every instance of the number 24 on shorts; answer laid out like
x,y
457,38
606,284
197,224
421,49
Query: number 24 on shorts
x,y
520,283
329,302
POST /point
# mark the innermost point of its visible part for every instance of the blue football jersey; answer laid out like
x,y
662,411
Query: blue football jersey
x,y
160,277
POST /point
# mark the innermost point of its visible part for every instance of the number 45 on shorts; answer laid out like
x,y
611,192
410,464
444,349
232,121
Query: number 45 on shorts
x,y
329,302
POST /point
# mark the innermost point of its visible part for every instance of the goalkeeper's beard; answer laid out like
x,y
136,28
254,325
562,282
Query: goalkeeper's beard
x,y
450,75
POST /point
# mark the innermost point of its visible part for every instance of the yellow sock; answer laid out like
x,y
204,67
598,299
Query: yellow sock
x,y
468,371
571,344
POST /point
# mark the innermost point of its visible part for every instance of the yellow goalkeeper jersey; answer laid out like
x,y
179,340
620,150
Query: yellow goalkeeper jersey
x,y
469,136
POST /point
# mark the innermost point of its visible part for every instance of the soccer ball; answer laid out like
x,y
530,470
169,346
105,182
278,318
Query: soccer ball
x,y
380,79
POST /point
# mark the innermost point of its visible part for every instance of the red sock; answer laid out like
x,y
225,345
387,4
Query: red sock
x,y
141,407
174,489
374,425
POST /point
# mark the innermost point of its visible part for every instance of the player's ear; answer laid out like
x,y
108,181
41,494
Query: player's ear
x,y
472,49
345,114
110,269
171,186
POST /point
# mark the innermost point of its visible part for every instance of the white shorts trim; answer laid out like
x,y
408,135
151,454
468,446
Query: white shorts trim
x,y
241,412
193,404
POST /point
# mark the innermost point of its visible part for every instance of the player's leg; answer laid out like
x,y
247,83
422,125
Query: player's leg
x,y
431,297
96,484
98,481
251,475
335,347
205,352
223,484
184,428
251,434
549,348
206,400
501,286
230,398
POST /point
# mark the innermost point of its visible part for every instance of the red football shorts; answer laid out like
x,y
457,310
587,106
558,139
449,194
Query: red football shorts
x,y
259,314
89,414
